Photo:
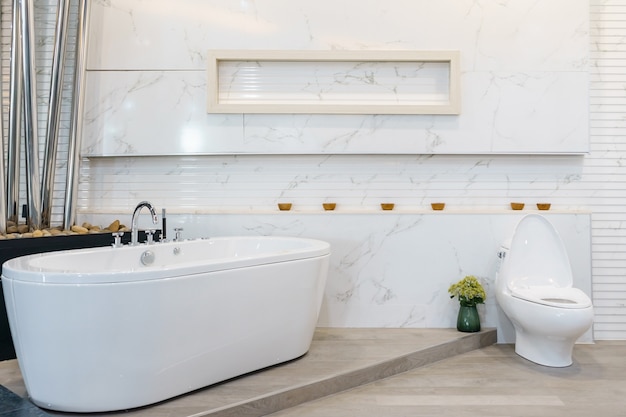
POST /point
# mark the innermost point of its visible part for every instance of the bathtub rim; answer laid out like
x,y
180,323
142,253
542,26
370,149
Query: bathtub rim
x,y
21,269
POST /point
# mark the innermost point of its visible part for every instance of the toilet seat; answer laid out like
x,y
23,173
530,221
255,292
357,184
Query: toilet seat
x,y
561,297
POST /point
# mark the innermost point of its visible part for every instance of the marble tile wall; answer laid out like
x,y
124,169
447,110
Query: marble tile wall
x,y
394,269
253,183
524,91
523,84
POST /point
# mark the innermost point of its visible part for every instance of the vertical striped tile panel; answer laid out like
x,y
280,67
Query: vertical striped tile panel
x,y
605,177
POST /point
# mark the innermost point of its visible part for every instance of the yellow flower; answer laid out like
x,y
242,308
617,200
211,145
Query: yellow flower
x,y
469,291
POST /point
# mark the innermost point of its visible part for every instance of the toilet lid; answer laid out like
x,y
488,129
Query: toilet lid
x,y
564,297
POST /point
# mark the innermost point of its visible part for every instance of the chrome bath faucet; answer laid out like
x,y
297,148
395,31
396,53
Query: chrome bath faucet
x,y
134,231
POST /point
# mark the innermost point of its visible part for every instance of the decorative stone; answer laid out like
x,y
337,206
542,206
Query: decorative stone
x,y
79,229
115,226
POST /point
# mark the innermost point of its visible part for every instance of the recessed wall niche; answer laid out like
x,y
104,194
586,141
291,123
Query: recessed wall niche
x,y
334,82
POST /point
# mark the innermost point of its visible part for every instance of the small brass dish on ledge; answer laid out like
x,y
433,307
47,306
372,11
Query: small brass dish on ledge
x,y
284,206
437,206
543,206
387,206
329,206
517,206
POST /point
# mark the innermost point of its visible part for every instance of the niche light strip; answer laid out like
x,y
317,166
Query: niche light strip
x,y
334,82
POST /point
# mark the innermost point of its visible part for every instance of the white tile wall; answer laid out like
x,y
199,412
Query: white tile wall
x,y
524,78
501,38
355,182
280,155
393,269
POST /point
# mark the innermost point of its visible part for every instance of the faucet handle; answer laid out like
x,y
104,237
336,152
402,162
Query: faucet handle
x,y
117,239
177,234
150,236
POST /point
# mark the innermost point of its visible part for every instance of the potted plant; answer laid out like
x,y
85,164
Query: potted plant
x,y
470,292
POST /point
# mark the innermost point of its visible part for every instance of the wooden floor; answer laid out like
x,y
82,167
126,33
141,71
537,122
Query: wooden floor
x,y
492,381
487,381
338,359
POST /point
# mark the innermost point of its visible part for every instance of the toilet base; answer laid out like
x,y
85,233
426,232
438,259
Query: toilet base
x,y
546,351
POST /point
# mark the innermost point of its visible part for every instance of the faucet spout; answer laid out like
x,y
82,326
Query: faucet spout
x,y
134,231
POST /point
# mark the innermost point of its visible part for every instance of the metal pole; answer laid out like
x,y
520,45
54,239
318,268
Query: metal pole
x,y
73,155
15,118
30,114
3,198
54,112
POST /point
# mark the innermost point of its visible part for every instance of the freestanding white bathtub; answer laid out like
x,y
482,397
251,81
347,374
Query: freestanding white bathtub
x,y
97,330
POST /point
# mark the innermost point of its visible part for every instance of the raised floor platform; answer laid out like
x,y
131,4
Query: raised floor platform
x,y
339,359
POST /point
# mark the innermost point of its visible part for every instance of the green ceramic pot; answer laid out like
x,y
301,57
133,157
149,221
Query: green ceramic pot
x,y
468,319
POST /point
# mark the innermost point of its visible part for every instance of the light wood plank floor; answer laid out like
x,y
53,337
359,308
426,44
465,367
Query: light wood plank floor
x,y
337,360
492,381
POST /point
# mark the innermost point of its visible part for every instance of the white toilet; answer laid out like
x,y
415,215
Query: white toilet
x,y
534,289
